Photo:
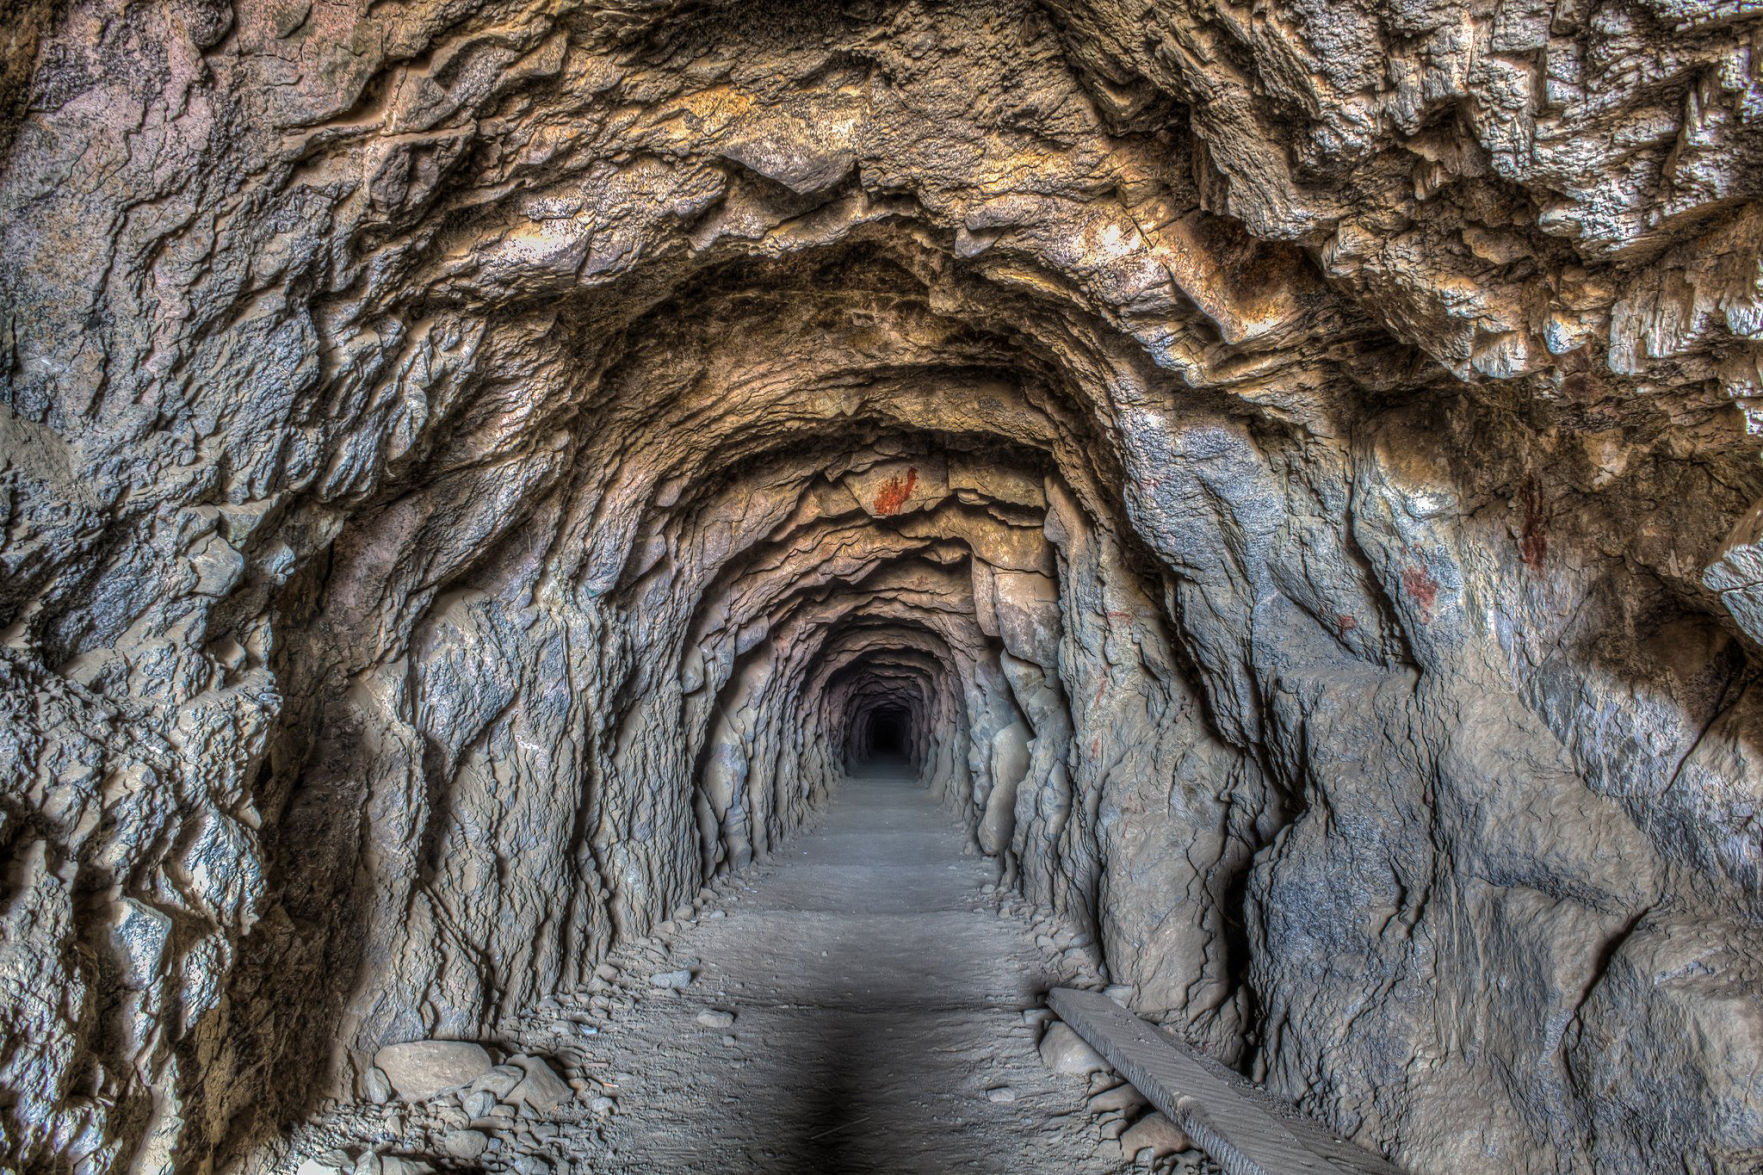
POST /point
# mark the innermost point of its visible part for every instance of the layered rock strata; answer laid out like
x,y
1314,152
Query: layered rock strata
x,y
477,469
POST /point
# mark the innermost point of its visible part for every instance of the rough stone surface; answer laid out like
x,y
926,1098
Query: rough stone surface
x,y
1157,1134
540,1087
1064,1051
423,1068
475,472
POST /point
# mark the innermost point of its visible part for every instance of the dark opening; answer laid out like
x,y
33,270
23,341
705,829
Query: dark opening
x,y
887,735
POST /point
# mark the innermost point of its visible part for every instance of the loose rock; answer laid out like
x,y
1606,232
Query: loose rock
x,y
464,1145
539,1087
1064,1051
423,1068
1155,1133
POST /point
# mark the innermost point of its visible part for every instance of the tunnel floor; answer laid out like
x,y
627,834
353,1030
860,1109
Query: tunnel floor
x,y
878,1004
878,996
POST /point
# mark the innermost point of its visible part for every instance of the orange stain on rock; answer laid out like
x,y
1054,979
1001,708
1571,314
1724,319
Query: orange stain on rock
x,y
895,491
1423,588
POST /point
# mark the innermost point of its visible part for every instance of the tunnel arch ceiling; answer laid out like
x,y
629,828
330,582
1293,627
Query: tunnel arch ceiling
x,y
463,463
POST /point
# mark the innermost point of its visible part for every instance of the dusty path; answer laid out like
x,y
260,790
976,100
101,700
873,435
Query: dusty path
x,y
878,997
879,1025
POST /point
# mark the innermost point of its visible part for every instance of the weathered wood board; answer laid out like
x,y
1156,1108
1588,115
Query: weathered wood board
x,y
1244,1129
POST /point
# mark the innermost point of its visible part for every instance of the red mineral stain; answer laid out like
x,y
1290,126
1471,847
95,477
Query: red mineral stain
x,y
1533,542
1423,588
895,491
1345,623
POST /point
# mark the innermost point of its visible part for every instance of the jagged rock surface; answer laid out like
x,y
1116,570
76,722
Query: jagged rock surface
x,y
475,469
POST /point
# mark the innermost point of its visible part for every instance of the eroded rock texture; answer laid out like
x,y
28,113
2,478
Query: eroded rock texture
x,y
475,468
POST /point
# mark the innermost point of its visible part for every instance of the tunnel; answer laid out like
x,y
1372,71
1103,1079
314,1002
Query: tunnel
x,y
886,732
623,585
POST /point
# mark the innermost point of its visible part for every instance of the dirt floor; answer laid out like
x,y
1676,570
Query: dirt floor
x,y
863,1002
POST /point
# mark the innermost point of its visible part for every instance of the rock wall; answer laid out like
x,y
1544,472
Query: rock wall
x,y
473,469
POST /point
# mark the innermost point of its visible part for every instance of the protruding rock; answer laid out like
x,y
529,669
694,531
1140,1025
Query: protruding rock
x,y
464,1145
401,1165
420,1069
1155,1133
329,1163
1124,1096
1064,1051
540,1087
500,1080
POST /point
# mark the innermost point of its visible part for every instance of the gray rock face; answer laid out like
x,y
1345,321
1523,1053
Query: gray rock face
x,y
474,473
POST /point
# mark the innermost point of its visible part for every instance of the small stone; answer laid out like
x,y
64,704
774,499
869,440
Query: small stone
x,y
501,1080
716,1018
1064,1051
602,1105
325,1164
420,1069
464,1145
717,914
540,1087
729,1041
397,1165
606,971
1122,1097
376,1085
1157,1134
1000,1093
684,914
477,1102
672,980
1120,993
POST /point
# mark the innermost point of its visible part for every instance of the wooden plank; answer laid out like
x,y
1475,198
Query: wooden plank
x,y
1244,1129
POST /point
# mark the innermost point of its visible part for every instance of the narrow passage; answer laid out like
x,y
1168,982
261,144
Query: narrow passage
x,y
860,1003
878,1003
